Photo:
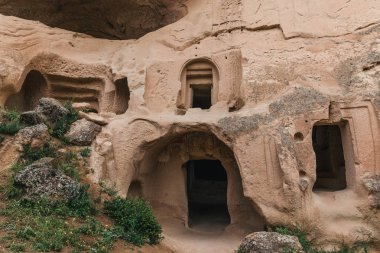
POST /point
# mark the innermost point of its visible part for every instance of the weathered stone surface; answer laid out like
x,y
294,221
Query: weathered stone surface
x,y
43,180
270,242
114,19
52,109
83,132
372,183
294,65
31,118
28,134
94,117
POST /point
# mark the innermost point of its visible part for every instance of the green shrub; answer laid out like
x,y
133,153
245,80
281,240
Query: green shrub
x,y
10,122
110,191
31,154
16,247
10,189
136,219
63,125
82,205
85,152
305,243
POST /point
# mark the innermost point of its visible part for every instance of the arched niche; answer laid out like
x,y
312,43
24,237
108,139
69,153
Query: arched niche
x,y
33,88
164,173
199,84
122,95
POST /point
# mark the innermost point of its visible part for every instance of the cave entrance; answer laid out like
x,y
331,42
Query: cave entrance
x,y
207,195
330,162
33,88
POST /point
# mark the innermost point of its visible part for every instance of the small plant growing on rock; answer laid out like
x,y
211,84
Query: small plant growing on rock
x,y
135,218
10,122
85,152
63,124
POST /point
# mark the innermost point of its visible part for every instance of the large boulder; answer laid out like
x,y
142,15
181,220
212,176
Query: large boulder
x,y
31,118
33,135
43,180
52,109
270,242
83,132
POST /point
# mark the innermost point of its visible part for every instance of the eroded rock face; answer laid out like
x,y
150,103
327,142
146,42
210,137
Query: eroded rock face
x,y
83,132
115,19
270,242
286,86
43,180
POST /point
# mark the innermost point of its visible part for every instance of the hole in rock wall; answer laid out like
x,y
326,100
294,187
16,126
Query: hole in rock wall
x,y
202,96
298,136
194,178
330,161
207,193
122,96
199,81
135,189
33,88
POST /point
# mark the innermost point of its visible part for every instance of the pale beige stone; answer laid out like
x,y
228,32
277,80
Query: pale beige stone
x,y
274,69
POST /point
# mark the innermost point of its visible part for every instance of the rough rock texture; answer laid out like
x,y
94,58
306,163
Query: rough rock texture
x,y
112,19
270,242
10,148
294,65
83,132
28,135
43,180
372,184
94,117
31,118
52,109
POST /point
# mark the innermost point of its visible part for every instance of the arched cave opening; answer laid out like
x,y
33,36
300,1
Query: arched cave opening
x,y
207,193
33,88
135,189
193,178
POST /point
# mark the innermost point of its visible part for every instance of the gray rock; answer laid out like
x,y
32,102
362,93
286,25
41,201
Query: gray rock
x,y
31,118
27,134
270,242
43,180
372,183
83,132
52,109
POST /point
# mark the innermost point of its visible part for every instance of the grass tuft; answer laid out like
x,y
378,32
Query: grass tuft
x,y
136,219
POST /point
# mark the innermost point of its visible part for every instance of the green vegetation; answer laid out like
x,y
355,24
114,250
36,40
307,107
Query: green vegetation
x,y
31,155
85,152
63,124
45,225
10,122
361,246
136,219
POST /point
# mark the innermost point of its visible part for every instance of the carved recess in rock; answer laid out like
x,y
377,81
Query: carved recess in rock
x,y
115,19
164,174
34,87
168,84
90,90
